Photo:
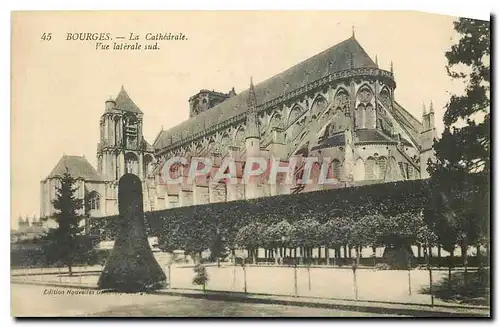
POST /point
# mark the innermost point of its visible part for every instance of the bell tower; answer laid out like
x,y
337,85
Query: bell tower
x,y
122,148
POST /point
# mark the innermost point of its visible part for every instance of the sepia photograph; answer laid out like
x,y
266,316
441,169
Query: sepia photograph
x,y
250,164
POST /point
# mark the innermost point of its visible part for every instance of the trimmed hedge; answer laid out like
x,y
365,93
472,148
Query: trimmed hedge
x,y
194,226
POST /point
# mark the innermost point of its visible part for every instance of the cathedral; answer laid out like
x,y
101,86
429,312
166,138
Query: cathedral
x,y
337,104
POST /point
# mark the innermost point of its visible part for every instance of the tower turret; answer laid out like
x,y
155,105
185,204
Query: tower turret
x,y
427,137
110,104
252,140
252,130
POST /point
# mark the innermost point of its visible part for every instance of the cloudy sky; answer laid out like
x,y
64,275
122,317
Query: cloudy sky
x,y
59,86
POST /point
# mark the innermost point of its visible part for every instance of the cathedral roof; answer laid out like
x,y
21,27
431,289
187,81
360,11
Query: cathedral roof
x,y
147,146
343,56
77,166
124,102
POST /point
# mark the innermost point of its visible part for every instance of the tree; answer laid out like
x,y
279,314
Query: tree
x,y
463,152
63,243
306,235
278,236
251,237
334,233
218,250
201,276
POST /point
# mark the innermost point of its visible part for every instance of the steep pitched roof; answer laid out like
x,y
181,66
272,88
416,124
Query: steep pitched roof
x,y
77,166
343,56
124,102
147,146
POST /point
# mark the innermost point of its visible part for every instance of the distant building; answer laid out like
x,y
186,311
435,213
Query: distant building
x,y
27,231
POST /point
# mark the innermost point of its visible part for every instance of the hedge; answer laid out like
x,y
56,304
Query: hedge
x,y
193,226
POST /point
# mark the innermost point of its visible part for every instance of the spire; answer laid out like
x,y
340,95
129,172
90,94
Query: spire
x,y
423,109
252,124
431,108
376,60
353,32
252,99
392,68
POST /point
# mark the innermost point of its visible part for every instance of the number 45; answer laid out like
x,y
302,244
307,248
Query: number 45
x,y
46,36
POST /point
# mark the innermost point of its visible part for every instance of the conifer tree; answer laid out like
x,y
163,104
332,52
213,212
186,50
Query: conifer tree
x,y
64,245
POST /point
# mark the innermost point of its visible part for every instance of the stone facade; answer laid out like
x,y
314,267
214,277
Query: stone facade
x,y
338,104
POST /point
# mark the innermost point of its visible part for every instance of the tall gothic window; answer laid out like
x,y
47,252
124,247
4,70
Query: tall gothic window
x,y
385,97
370,169
94,200
369,117
342,101
295,113
360,116
131,131
318,107
132,163
275,121
336,169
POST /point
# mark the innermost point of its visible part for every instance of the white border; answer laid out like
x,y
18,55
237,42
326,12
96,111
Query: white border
x,y
472,9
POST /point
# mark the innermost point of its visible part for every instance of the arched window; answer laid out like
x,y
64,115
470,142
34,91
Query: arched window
x,y
365,95
132,163
94,201
385,97
359,170
369,117
318,107
131,131
370,169
294,114
275,121
336,168
360,116
342,101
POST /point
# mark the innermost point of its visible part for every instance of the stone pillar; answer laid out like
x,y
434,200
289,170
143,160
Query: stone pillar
x,y
140,173
139,133
101,130
201,194
230,192
105,129
121,158
113,131
110,129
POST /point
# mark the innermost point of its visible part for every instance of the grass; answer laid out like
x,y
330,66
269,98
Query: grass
x,y
476,292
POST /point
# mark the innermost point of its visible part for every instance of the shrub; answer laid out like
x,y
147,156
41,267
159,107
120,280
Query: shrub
x,y
201,276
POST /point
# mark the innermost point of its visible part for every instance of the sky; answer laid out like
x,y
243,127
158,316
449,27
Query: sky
x,y
59,87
